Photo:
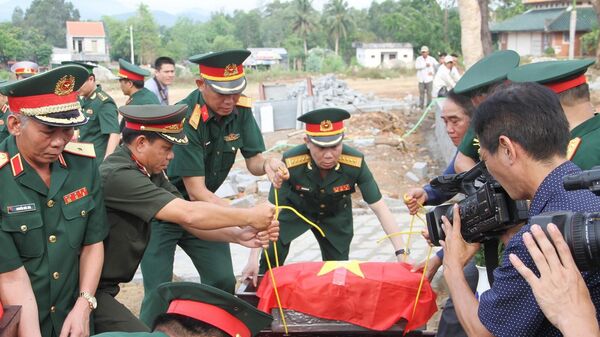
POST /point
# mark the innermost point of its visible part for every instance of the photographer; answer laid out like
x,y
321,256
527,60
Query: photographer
x,y
560,290
523,134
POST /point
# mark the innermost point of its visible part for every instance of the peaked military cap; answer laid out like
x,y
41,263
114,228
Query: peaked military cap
x,y
556,75
325,127
24,69
223,70
131,71
489,70
166,120
87,65
49,97
235,317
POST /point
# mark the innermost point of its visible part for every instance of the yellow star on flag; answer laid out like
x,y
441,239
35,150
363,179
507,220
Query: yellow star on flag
x,y
353,266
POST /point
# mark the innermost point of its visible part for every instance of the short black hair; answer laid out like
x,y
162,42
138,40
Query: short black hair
x,y
163,60
454,55
129,135
529,114
139,84
442,54
462,101
578,94
179,322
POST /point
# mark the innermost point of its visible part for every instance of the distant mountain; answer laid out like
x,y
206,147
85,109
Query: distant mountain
x,y
167,19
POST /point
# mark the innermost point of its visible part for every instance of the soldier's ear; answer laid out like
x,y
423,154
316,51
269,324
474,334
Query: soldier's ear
x,y
200,83
14,125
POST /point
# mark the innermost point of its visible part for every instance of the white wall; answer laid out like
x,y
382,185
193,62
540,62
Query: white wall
x,y
372,58
525,43
88,45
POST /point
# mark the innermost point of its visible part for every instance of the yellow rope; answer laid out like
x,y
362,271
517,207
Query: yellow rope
x,y
422,279
276,292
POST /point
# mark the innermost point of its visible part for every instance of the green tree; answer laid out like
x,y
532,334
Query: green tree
x,y
303,20
146,40
184,39
48,17
338,20
17,43
224,42
247,27
118,38
504,9
17,16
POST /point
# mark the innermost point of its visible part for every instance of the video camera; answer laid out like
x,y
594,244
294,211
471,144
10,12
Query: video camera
x,y
486,212
580,230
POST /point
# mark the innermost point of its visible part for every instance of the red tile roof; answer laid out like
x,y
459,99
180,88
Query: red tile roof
x,y
85,29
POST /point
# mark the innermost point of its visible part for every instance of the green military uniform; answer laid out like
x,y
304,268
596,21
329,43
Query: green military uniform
x,y
43,228
214,143
133,197
143,97
561,76
101,111
4,112
325,201
202,303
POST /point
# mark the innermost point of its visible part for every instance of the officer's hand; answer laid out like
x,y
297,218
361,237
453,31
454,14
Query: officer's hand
x,y
248,237
261,216
250,271
414,199
276,171
425,235
271,234
77,323
432,267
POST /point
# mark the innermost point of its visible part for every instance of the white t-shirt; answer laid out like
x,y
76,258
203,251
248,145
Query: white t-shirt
x,y
425,68
444,78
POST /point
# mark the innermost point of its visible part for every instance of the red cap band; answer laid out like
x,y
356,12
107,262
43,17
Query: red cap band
x,y
210,314
20,71
131,76
559,87
324,127
223,73
37,101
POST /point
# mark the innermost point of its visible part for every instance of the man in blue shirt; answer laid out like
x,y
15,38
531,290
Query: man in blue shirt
x,y
523,134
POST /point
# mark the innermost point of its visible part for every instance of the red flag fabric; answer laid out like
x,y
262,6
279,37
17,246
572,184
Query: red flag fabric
x,y
374,295
1,310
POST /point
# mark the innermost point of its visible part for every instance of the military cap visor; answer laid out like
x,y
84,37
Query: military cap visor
x,y
165,120
224,70
87,65
487,71
222,310
557,75
131,72
325,127
50,97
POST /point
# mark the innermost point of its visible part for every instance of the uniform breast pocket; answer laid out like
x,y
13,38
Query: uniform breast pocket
x,y
76,215
27,231
230,150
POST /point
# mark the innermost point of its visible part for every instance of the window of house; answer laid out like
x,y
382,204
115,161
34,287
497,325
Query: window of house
x,y
392,56
566,37
95,46
78,45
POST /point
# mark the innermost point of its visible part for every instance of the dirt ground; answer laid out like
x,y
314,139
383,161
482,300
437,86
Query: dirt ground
x,y
388,162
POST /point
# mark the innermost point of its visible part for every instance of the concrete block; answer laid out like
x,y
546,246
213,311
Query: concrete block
x,y
412,177
226,190
420,169
263,187
244,202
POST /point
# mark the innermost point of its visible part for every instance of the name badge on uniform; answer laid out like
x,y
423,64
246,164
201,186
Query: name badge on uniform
x,y
75,195
20,208
231,137
89,111
302,188
345,187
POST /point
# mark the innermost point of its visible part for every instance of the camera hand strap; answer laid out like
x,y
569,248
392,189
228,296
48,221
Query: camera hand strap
x,y
490,252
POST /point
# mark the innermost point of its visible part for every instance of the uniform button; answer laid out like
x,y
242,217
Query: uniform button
x,y
302,195
56,275
321,213
23,228
52,309
50,203
218,153
52,238
83,213
233,148
322,190
322,205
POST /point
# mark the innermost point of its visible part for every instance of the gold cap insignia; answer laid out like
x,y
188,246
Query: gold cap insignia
x,y
326,126
230,70
65,85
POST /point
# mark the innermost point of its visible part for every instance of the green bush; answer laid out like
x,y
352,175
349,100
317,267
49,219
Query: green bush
x,y
589,41
549,51
321,60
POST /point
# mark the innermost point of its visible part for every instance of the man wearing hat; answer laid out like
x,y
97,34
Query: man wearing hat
x,y
24,69
426,67
4,112
102,129
137,191
323,175
567,79
52,208
477,82
131,79
219,122
185,309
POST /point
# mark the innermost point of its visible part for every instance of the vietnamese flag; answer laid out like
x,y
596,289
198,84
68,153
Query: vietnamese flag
x,y
374,295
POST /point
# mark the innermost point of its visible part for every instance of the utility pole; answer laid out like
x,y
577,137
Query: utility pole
x,y
572,28
131,43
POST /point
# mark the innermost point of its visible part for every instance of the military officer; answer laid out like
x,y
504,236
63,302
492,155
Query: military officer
x,y
102,129
53,219
131,79
219,122
4,112
323,175
567,79
137,191
24,69
185,309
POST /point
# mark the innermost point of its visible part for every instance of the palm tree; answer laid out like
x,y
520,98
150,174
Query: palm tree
x,y
338,19
303,19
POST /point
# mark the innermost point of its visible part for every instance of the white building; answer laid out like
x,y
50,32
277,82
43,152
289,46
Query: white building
x,y
86,41
267,57
384,55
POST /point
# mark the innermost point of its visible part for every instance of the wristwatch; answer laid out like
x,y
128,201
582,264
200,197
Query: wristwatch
x,y
402,251
90,298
